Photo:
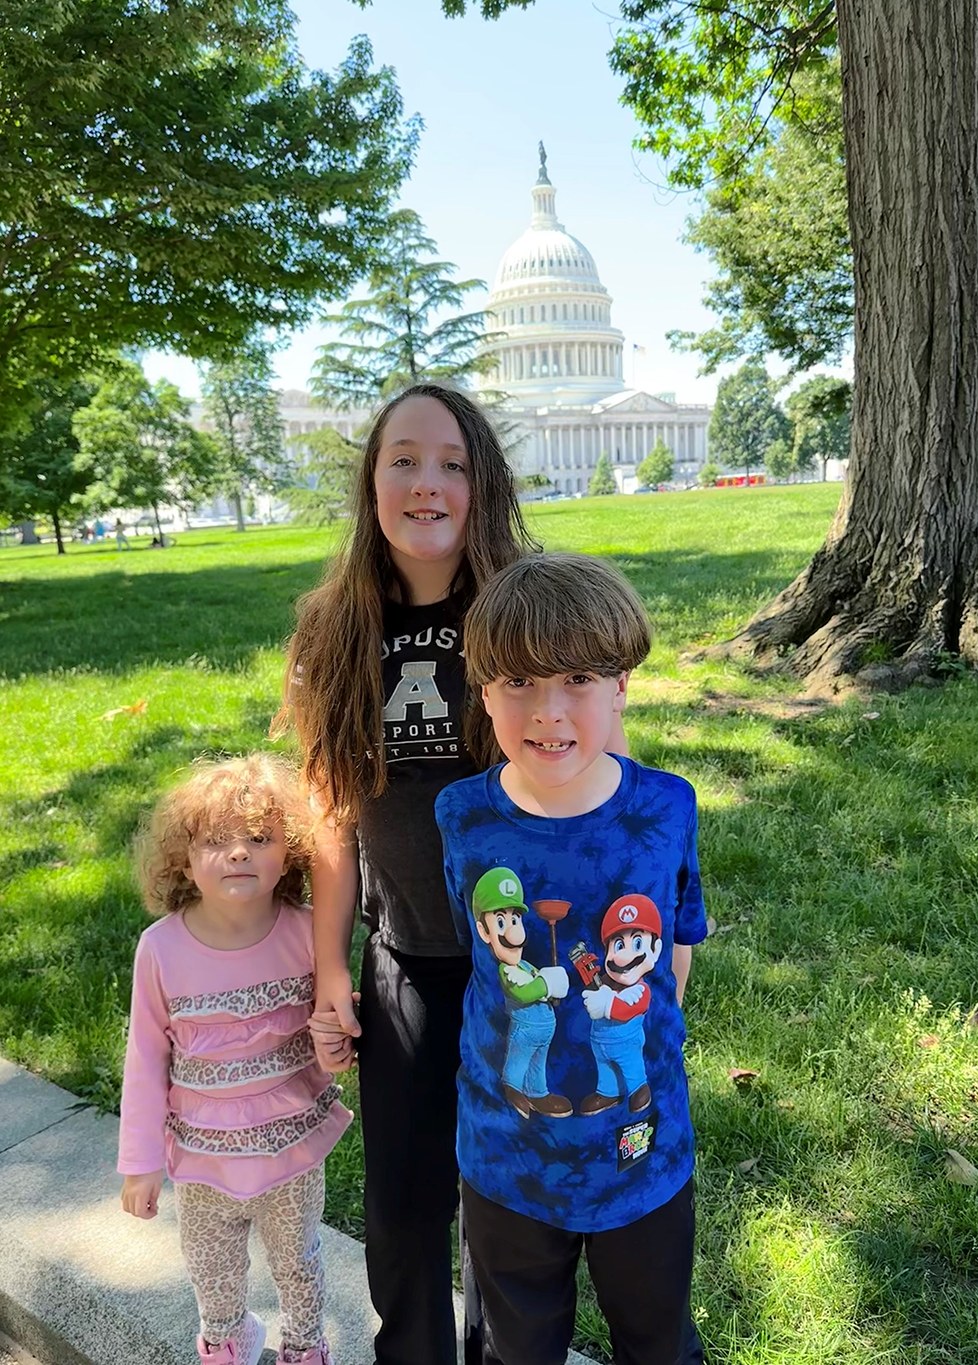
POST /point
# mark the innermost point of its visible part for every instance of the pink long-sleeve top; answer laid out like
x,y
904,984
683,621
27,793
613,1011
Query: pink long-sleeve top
x,y
221,1084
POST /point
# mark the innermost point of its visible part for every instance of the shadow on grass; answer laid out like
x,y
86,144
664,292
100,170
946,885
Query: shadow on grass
x,y
216,618
213,618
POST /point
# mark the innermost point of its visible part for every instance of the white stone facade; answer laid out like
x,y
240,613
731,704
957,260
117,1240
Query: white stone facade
x,y
560,364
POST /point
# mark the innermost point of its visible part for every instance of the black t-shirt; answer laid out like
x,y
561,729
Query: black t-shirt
x,y
403,893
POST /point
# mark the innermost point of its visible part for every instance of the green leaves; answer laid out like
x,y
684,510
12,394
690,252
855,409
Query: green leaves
x,y
172,176
392,338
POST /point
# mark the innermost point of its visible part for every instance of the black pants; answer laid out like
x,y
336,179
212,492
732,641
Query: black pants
x,y
526,1272
411,1016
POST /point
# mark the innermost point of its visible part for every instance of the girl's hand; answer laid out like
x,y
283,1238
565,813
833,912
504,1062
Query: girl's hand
x,y
141,1194
333,1026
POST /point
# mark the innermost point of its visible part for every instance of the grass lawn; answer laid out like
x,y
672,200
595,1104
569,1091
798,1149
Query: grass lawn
x,y
840,856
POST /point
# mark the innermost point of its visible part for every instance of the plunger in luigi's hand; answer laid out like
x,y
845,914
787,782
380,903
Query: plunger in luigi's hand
x,y
498,908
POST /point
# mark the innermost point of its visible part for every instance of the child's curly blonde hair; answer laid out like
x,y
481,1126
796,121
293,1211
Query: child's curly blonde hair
x,y
221,799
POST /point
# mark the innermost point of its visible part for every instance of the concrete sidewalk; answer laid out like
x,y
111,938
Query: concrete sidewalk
x,y
83,1284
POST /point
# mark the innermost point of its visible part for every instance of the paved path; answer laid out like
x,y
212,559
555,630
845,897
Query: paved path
x,y
83,1284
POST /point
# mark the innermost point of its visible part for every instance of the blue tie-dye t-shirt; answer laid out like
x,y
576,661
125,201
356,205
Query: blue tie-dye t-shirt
x,y
573,1104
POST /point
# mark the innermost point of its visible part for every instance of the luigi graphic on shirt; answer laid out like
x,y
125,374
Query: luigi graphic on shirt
x,y
616,998
498,910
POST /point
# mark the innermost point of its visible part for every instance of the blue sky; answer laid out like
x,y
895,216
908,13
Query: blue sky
x,y
488,92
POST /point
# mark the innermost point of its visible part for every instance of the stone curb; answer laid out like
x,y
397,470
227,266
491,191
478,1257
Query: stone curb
x,y
82,1284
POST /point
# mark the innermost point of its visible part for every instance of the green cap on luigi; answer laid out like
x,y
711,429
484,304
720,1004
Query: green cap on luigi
x,y
497,889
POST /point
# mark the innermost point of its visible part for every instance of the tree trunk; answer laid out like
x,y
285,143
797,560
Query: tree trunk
x,y
896,581
238,510
28,536
159,528
57,531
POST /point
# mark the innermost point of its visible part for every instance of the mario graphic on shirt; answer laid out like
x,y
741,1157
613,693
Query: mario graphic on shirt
x,y
498,910
616,998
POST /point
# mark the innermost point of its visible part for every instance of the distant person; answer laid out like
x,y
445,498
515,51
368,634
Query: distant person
x,y
573,1109
99,530
221,1089
121,542
156,543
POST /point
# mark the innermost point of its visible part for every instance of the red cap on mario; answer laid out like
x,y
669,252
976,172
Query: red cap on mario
x,y
631,912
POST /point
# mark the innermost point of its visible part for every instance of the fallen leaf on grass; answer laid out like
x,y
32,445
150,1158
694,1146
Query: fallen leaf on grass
x,y
60,862
928,1040
959,1169
972,1019
871,715
726,928
742,1075
799,1019
137,709
748,1165
711,925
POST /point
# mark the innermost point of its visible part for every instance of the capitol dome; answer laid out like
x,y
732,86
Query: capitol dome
x,y
550,315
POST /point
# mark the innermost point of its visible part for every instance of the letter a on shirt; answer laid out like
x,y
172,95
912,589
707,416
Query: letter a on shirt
x,y
416,685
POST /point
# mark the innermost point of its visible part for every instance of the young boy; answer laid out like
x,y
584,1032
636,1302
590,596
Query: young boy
x,y
590,861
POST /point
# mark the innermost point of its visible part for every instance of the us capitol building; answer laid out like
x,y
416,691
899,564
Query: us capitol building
x,y
558,367
559,362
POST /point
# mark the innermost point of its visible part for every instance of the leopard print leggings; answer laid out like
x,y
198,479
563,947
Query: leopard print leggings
x,y
214,1232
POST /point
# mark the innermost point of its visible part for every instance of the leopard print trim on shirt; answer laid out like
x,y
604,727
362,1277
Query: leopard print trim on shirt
x,y
203,1073
247,1001
264,1139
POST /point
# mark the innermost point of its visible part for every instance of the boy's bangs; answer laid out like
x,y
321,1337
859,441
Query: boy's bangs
x,y
542,647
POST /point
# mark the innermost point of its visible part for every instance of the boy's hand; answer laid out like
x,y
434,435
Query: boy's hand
x,y
557,982
141,1194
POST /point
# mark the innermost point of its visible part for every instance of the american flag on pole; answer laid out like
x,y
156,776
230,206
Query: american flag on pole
x,y
638,350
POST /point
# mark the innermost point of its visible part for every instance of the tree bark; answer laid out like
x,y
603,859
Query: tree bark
x,y
896,581
238,510
28,536
57,531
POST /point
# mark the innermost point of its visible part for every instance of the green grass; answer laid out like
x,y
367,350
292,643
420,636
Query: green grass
x,y
840,860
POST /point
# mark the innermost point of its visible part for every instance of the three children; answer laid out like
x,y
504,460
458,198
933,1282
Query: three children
x,y
571,884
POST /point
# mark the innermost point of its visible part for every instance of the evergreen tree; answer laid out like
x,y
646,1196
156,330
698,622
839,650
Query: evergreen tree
x,y
242,409
324,471
657,467
603,479
392,336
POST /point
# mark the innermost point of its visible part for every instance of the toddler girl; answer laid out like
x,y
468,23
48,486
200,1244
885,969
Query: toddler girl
x,y
221,1087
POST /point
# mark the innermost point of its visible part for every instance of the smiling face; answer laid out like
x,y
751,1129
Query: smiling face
x,y
553,729
630,954
421,481
238,868
503,931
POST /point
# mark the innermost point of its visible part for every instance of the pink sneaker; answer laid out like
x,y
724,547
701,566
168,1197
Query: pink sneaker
x,y
244,1348
319,1355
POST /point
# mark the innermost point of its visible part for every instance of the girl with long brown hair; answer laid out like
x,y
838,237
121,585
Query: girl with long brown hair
x,y
376,690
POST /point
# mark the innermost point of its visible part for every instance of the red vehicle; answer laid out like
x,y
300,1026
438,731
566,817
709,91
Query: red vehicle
x,y
739,480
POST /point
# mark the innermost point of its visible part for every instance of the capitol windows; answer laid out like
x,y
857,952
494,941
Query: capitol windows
x,y
569,360
532,359
556,368
565,312
575,312
521,315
